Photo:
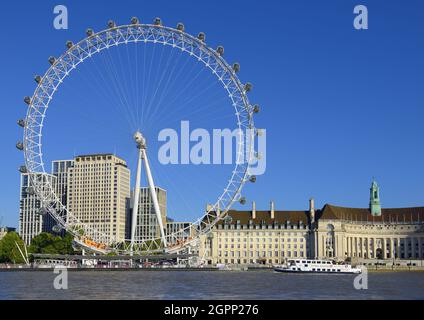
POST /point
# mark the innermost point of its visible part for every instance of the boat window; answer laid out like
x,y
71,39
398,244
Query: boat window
x,y
303,261
313,269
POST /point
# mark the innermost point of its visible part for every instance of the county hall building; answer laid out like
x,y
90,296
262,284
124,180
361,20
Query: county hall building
x,y
340,233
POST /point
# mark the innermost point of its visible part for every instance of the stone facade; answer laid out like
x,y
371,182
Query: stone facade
x,y
340,233
98,192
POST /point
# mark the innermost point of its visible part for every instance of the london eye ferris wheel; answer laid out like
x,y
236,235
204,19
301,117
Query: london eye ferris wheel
x,y
154,35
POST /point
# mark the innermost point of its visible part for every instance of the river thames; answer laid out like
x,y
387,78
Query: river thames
x,y
208,285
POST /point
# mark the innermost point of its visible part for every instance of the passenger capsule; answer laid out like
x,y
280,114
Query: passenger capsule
x,y
201,36
20,146
180,27
52,60
23,169
236,67
247,87
134,20
69,44
42,211
57,228
259,132
21,123
30,190
37,79
157,22
220,50
111,24
252,179
256,108
242,200
89,32
27,100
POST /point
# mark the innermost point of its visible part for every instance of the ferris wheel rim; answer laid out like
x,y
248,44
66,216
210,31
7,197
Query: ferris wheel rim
x,y
30,145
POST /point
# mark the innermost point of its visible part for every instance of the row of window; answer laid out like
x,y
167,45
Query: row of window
x,y
261,240
261,254
261,234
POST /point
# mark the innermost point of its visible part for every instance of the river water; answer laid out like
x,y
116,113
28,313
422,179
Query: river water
x,y
208,285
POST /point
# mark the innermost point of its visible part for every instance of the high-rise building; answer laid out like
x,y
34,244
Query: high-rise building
x,y
147,223
60,169
98,192
32,220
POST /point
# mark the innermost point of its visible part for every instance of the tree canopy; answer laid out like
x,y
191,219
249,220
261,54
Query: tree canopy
x,y
50,244
9,253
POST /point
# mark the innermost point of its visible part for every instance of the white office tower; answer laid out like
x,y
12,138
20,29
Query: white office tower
x,y
98,193
32,218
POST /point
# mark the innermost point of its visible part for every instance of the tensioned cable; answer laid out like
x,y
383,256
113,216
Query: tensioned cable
x,y
183,104
113,86
184,89
147,89
165,89
164,72
101,88
118,86
132,81
124,83
137,84
173,83
159,67
201,114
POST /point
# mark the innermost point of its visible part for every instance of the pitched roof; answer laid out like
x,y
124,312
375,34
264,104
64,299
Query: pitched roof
x,y
280,217
332,212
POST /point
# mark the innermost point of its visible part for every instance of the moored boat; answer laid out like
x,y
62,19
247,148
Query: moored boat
x,y
316,266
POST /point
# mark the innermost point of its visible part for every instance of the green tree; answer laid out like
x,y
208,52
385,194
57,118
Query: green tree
x,y
9,253
48,243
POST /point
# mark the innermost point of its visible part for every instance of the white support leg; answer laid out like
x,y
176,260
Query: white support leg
x,y
136,199
154,198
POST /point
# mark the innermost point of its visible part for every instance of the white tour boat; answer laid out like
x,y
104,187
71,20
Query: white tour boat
x,y
315,266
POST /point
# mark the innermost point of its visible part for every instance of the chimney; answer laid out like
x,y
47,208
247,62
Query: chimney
x,y
272,210
253,210
312,209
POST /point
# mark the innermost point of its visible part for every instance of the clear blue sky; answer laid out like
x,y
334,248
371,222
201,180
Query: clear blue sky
x,y
340,106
